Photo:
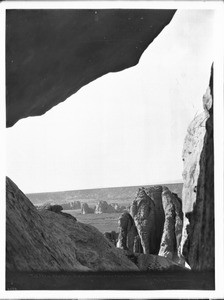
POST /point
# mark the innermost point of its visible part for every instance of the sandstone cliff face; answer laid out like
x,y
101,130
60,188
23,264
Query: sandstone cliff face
x,y
143,213
85,209
48,241
170,243
197,243
38,54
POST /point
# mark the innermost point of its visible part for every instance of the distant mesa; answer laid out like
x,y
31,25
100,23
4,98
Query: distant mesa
x,y
104,207
73,205
85,209
101,208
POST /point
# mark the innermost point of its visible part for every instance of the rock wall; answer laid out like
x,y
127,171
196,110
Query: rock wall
x,y
197,243
51,54
49,241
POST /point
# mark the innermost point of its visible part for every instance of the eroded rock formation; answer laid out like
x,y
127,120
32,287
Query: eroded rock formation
x,y
104,207
198,191
127,232
172,231
85,209
51,54
48,241
156,224
143,212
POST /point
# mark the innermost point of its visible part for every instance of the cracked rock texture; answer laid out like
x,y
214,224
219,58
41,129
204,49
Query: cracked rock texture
x,y
197,242
51,54
49,241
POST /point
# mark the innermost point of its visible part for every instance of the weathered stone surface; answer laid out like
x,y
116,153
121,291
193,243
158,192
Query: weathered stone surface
x,y
127,232
85,209
170,243
198,192
47,241
143,213
51,54
104,207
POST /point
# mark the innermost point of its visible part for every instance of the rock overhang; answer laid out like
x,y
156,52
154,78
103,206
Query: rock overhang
x,y
51,54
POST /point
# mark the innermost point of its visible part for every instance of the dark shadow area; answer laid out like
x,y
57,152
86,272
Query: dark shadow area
x,y
179,280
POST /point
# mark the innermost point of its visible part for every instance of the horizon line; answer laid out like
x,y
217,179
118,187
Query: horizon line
x,y
110,187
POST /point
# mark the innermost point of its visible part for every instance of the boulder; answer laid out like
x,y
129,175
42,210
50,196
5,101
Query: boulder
x,y
55,208
85,209
104,207
143,212
197,244
170,243
48,241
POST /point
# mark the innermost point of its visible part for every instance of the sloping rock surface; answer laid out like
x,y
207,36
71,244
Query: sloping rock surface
x,y
51,54
198,191
48,241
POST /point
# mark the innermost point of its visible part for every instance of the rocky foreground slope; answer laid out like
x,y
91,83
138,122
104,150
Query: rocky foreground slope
x,y
48,241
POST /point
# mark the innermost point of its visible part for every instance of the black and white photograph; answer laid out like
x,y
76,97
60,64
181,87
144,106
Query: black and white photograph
x,y
110,148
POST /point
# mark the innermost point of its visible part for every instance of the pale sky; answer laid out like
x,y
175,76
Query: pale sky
x,y
125,128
